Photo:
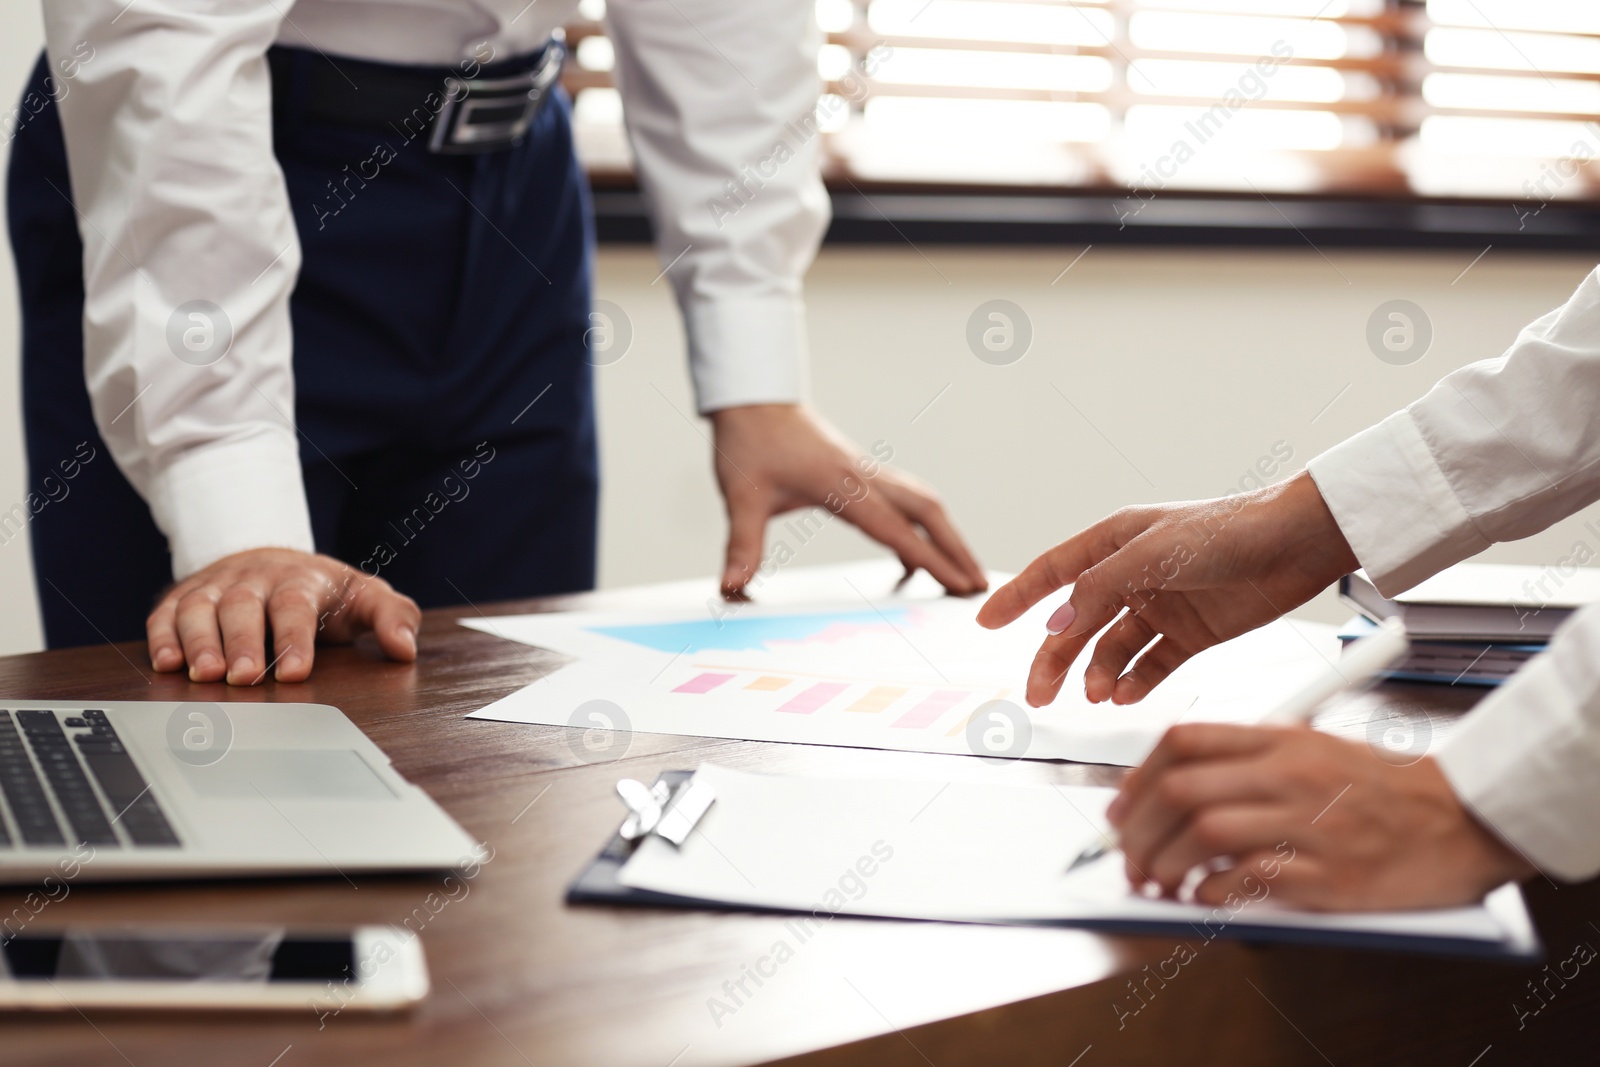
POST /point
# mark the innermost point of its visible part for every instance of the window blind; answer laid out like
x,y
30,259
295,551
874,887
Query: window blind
x,y
1388,98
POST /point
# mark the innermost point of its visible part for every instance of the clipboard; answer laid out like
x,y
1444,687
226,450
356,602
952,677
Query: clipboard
x,y
598,883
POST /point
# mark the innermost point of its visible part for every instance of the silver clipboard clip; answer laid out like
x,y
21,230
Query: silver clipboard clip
x,y
669,812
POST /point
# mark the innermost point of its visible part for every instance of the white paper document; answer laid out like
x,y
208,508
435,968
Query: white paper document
x,y
861,664
981,852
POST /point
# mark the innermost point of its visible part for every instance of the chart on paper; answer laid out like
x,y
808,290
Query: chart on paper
x,y
882,672
906,707
811,663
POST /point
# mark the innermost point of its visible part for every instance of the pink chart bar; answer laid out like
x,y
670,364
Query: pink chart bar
x,y
702,683
809,700
928,711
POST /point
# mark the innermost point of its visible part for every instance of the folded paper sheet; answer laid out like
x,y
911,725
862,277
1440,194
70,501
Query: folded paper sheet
x,y
853,661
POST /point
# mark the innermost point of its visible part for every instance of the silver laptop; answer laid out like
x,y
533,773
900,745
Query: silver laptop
x,y
158,790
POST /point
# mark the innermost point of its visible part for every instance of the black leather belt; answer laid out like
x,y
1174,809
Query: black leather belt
x,y
453,114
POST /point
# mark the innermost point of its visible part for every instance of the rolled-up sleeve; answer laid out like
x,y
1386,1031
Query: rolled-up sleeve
x,y
720,104
189,258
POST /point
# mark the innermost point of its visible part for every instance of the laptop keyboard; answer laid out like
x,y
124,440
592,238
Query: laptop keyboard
x,y
35,741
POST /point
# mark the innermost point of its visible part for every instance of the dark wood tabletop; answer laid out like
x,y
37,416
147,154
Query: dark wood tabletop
x,y
521,978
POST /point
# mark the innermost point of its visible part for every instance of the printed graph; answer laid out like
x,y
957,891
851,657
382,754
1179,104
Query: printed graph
x,y
767,633
895,707
909,672
818,664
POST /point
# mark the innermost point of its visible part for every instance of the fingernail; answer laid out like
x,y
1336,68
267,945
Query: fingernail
x,y
241,666
203,663
1061,618
409,636
290,662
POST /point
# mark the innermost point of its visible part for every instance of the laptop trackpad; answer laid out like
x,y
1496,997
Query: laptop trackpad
x,y
287,774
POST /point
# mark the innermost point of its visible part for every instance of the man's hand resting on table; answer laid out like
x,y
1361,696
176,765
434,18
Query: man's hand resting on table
x,y
216,619
773,458
1364,833
1190,574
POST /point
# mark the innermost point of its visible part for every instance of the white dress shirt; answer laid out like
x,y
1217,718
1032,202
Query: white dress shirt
x,y
1496,451
169,139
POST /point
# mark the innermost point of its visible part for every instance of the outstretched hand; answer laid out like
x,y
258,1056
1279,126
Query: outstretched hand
x,y
1182,577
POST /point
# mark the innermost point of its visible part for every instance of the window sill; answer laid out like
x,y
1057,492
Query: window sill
x,y
898,216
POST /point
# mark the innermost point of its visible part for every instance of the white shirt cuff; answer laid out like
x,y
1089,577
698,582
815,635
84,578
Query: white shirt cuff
x,y
1528,766
1394,504
746,350
231,496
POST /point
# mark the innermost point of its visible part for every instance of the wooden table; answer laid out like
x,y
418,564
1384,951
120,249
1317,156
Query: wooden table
x,y
520,978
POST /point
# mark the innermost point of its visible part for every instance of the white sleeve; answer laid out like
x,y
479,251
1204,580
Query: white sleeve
x,y
1496,451
720,102
168,124
1526,760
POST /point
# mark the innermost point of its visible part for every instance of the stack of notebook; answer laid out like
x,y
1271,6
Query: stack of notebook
x,y
1474,623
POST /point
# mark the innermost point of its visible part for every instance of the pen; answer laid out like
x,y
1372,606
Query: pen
x,y
1360,664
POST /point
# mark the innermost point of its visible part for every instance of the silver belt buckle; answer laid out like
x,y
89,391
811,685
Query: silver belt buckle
x,y
488,114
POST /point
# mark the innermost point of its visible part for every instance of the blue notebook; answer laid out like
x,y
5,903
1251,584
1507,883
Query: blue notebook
x,y
1478,663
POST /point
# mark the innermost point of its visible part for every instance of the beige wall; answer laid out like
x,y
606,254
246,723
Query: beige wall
x,y
1152,375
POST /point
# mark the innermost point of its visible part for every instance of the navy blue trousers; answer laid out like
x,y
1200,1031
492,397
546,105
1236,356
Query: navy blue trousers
x,y
437,301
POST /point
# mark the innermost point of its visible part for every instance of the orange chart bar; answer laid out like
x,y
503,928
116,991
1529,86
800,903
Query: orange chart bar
x,y
878,698
769,682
